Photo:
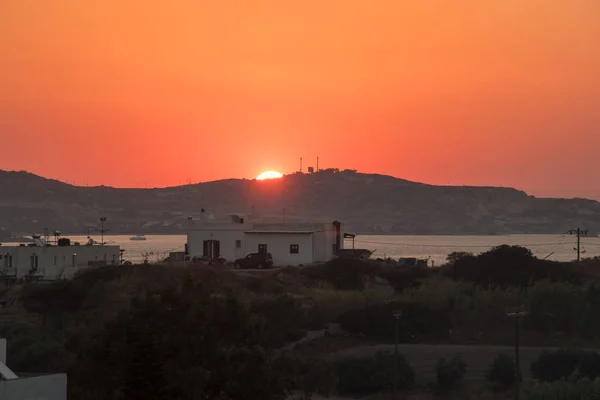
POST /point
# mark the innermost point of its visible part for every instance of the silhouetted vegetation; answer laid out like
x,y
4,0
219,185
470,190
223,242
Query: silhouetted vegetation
x,y
574,387
383,372
201,332
502,372
449,373
553,366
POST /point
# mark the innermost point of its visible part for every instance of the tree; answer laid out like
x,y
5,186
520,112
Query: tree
x,y
502,371
455,256
450,372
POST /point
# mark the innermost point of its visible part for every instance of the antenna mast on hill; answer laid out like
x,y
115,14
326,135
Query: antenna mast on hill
x,y
102,230
579,233
300,164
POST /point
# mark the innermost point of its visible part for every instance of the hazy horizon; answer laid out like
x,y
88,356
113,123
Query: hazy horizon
x,y
469,92
77,184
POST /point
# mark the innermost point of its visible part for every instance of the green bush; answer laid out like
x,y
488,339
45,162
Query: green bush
x,y
502,371
366,375
573,388
450,372
562,363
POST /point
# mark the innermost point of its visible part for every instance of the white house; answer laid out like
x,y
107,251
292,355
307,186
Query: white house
x,y
51,262
289,243
29,386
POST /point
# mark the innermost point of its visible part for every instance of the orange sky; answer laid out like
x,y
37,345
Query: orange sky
x,y
153,92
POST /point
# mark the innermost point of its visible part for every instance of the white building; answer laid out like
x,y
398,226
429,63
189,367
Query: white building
x,y
290,244
50,262
29,386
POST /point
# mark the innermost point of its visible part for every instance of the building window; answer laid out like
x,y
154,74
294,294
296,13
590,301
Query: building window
x,y
238,244
294,249
262,248
9,257
114,259
74,259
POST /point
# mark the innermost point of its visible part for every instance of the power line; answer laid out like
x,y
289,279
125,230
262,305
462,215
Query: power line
x,y
456,245
579,233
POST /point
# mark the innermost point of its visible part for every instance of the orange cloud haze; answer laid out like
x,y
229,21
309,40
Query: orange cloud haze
x,y
132,92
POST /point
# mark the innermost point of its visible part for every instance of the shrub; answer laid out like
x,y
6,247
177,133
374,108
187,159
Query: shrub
x,y
563,363
283,320
365,375
573,388
344,274
403,278
502,371
450,372
508,266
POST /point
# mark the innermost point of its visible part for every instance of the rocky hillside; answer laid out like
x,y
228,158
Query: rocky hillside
x,y
365,203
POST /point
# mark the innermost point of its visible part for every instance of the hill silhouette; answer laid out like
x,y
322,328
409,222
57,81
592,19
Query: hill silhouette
x,y
366,203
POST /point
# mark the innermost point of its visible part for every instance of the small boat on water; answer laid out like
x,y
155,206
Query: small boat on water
x,y
138,237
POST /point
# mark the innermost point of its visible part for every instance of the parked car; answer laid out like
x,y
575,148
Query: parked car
x,y
255,260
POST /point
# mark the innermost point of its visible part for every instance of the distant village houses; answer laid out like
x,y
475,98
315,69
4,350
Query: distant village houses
x,y
43,260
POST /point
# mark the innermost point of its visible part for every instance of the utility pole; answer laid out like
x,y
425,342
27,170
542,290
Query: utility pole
x,y
396,314
102,221
517,313
579,233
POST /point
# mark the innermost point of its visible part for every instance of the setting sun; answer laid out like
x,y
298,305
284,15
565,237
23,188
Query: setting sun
x,y
269,175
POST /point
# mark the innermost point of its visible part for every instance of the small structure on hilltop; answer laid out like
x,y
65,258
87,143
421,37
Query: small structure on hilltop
x,y
290,244
29,386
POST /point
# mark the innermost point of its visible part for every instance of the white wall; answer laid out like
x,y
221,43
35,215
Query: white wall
x,y
55,262
314,247
227,238
325,241
45,387
278,244
3,352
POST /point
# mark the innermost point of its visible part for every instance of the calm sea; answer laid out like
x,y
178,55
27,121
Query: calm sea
x,y
436,248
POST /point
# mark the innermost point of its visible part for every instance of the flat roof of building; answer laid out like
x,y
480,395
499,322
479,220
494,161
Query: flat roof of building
x,y
281,232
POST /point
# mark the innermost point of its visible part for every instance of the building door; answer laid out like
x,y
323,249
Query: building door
x,y
211,249
262,248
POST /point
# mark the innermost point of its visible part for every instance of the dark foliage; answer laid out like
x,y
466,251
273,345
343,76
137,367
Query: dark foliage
x,y
307,375
449,372
502,372
179,343
283,321
552,366
344,274
403,278
417,322
45,298
365,375
508,265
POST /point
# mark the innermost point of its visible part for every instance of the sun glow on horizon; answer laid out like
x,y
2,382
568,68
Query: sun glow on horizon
x,y
269,175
